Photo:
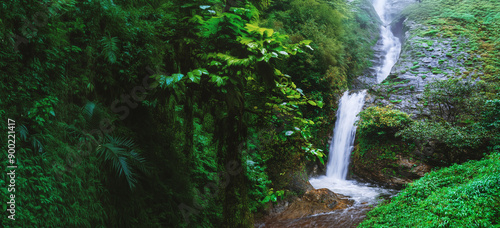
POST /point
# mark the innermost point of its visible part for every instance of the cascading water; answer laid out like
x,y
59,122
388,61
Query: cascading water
x,y
390,44
349,106
344,133
341,146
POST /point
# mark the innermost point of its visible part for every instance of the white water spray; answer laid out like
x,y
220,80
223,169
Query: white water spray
x,y
345,131
340,151
390,44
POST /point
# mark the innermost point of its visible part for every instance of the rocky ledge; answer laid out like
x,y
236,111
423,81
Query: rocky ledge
x,y
313,202
393,174
425,57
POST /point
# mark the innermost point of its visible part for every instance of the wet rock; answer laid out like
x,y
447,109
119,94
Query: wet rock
x,y
333,205
427,60
395,173
316,168
314,201
423,59
299,182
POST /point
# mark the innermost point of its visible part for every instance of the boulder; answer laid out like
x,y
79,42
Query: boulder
x,y
315,201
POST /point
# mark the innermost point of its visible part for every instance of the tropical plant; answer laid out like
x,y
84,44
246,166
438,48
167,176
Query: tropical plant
x,y
119,153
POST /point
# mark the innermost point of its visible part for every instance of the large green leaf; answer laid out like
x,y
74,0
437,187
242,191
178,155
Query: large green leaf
x,y
120,155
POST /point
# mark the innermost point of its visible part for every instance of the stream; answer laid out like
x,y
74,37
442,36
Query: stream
x,y
365,195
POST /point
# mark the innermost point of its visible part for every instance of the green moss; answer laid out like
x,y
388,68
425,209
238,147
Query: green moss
x,y
437,71
432,32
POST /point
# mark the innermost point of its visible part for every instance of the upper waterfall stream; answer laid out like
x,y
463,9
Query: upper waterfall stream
x,y
345,130
390,44
364,195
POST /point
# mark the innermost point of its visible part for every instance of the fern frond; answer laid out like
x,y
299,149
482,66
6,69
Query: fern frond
x,y
88,110
110,48
23,132
92,116
260,30
233,61
120,154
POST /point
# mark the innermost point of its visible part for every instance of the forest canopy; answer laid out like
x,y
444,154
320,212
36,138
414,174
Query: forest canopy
x,y
134,112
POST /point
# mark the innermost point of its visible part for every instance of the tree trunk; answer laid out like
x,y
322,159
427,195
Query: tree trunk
x,y
236,211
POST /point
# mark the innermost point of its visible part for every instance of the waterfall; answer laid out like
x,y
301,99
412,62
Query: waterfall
x,y
390,44
350,104
344,133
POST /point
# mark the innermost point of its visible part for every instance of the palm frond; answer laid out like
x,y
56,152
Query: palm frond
x,y
120,154
88,110
110,48
23,132
92,116
37,145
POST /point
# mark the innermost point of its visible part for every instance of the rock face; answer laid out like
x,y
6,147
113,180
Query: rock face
x,y
299,182
424,58
394,173
427,55
314,201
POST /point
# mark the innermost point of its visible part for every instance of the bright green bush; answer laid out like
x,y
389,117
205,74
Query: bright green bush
x,y
381,121
377,146
466,195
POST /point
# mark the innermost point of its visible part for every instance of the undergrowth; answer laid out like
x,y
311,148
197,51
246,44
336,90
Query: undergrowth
x,y
466,195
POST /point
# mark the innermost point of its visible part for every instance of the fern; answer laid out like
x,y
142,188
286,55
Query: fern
x,y
233,61
259,30
23,132
110,48
119,152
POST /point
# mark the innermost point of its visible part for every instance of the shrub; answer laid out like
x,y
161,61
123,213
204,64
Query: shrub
x,y
382,121
466,195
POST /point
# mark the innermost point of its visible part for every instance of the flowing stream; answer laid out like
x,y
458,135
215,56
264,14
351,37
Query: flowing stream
x,y
344,133
364,195
389,44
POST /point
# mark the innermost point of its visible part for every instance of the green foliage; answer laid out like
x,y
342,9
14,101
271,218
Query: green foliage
x,y
465,195
370,150
43,110
119,153
452,99
377,145
454,128
491,115
475,19
256,171
272,196
110,48
382,121
454,136
216,75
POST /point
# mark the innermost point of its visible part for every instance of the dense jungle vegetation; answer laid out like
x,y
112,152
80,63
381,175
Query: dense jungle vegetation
x,y
201,113
169,113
